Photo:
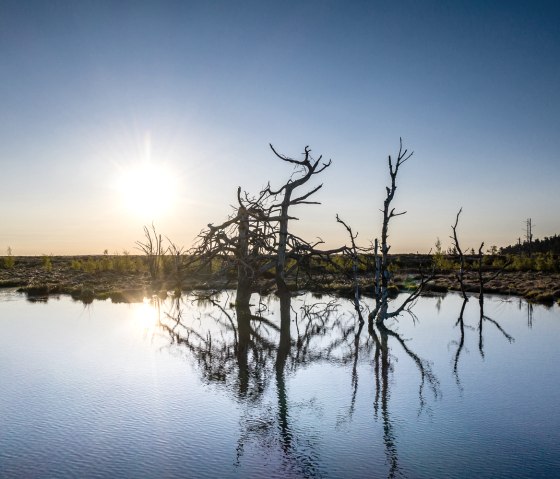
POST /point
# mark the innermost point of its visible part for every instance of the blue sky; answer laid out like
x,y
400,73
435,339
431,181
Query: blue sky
x,y
89,88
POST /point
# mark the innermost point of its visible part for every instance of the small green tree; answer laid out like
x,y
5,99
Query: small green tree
x,y
440,262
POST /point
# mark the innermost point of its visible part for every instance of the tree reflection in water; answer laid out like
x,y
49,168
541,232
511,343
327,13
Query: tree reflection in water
x,y
483,318
246,349
462,326
383,367
460,343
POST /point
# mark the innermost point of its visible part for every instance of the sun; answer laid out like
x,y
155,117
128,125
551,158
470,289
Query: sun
x,y
147,190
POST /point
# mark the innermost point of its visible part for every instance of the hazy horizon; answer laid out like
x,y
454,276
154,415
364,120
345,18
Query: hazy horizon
x,y
118,115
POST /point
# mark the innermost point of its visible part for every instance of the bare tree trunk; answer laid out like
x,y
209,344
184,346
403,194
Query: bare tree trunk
x,y
244,273
480,281
461,273
282,244
377,261
310,167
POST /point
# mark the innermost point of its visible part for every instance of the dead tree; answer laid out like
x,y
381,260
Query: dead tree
x,y
382,273
307,168
480,279
256,240
353,253
242,243
460,275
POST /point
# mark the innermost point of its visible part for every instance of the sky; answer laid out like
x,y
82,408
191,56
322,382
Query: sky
x,y
117,114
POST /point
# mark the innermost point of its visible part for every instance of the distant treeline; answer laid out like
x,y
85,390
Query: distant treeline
x,y
549,244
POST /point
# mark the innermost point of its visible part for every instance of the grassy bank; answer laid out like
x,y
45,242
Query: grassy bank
x,y
127,278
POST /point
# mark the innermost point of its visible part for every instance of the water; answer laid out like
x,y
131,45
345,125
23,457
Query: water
x,y
197,389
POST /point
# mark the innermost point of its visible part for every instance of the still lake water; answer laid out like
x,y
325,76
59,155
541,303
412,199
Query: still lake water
x,y
178,389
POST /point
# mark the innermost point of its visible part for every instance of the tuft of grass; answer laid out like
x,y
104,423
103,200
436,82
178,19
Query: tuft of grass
x,y
47,262
9,259
121,263
409,284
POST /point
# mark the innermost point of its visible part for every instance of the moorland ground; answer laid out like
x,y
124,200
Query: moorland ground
x,y
126,278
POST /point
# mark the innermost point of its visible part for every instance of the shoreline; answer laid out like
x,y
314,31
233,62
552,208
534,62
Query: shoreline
x,y
124,279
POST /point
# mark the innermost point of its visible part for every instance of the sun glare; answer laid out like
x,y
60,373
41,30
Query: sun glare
x,y
145,315
147,190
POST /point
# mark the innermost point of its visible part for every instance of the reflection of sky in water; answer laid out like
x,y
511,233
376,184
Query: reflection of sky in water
x,y
136,390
